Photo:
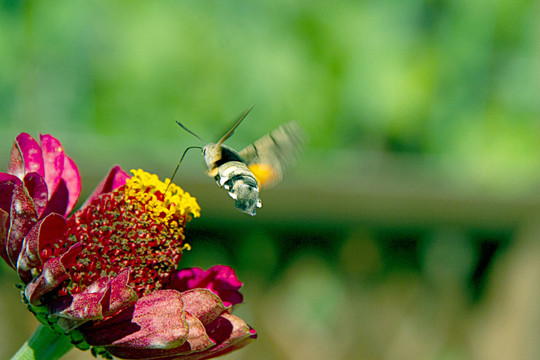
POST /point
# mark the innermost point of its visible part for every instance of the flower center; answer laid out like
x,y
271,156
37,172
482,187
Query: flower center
x,y
137,225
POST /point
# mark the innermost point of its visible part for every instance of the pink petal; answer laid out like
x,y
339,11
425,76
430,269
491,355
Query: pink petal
x,y
116,178
26,156
37,188
203,304
22,217
67,192
220,279
186,279
53,274
156,321
72,179
53,159
44,232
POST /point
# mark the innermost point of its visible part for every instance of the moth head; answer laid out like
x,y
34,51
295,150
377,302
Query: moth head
x,y
212,154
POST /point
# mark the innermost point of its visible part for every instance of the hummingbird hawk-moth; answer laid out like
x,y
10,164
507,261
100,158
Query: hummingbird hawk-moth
x,y
242,173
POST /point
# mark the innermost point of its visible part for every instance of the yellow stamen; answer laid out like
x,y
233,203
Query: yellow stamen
x,y
144,189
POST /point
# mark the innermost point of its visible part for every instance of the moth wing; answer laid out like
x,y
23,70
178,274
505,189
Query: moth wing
x,y
267,157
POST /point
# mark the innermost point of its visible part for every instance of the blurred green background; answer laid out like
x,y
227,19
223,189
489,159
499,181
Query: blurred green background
x,y
409,229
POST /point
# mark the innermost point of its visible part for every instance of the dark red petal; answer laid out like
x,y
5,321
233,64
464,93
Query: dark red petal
x,y
58,201
4,228
53,274
44,232
26,156
7,186
37,188
53,160
203,304
22,217
72,179
156,321
116,178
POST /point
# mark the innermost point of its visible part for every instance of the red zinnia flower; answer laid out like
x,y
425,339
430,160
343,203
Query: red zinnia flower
x,y
106,275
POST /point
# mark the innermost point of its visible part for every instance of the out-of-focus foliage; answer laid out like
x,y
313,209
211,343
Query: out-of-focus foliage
x,y
454,79
395,236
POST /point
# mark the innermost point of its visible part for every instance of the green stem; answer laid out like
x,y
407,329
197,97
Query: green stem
x,y
45,344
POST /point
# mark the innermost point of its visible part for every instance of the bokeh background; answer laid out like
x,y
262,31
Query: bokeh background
x,y
409,229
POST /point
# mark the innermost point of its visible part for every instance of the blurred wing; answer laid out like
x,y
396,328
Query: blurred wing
x,y
267,157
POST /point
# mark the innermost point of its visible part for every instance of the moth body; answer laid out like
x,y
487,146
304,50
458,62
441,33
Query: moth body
x,y
232,174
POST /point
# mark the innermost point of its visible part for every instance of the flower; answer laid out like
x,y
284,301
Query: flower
x,y
106,275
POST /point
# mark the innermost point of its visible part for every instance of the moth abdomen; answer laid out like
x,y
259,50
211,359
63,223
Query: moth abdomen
x,y
237,179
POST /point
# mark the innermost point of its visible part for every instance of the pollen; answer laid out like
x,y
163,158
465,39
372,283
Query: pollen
x,y
139,226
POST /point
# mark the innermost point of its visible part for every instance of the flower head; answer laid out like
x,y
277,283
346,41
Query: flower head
x,y
106,275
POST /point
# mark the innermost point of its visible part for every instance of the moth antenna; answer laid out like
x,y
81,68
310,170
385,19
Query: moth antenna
x,y
189,131
230,132
179,162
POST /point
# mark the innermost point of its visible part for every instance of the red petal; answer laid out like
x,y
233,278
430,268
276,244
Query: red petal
x,y
26,156
156,321
116,178
72,179
46,231
203,304
52,275
22,217
53,160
